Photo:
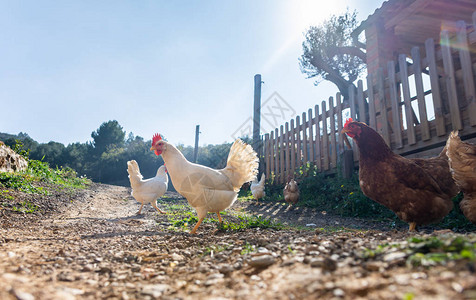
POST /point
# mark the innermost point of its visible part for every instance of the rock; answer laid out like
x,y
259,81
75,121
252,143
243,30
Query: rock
x,y
155,290
262,261
214,279
338,293
20,295
226,269
394,256
10,161
327,264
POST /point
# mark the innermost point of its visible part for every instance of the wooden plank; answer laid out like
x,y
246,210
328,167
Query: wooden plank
x,y
310,137
298,144
339,123
407,12
420,91
402,62
394,100
304,138
318,148
325,137
267,155
361,102
281,154
288,150
332,124
352,102
383,106
292,151
370,92
466,67
435,87
450,81
276,155
270,168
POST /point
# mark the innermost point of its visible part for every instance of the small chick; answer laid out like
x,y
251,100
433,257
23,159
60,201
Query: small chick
x,y
291,192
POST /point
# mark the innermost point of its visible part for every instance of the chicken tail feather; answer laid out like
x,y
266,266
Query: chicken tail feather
x,y
468,206
134,172
242,164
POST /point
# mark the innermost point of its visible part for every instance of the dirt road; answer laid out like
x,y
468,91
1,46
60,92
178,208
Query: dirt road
x,y
97,248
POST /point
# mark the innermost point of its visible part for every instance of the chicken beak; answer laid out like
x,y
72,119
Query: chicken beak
x,y
152,148
346,139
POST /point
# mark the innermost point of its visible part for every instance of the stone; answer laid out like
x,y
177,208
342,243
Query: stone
x,y
10,161
262,261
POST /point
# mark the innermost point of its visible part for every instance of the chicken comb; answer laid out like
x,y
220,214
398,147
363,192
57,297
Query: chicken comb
x,y
349,120
157,137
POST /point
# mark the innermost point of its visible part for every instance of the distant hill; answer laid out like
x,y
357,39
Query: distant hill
x,y
20,136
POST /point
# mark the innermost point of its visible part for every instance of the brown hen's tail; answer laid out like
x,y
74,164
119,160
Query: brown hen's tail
x,y
468,206
242,164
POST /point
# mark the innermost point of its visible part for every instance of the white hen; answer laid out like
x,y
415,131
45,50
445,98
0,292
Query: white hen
x,y
207,189
147,190
257,188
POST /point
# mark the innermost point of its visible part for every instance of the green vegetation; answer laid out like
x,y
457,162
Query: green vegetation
x,y
247,249
429,251
183,217
38,179
333,194
246,222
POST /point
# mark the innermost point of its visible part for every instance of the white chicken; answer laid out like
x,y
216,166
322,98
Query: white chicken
x,y
257,188
147,190
207,189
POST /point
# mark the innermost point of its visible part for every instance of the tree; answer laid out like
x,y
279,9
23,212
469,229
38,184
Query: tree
x,y
53,153
328,53
108,134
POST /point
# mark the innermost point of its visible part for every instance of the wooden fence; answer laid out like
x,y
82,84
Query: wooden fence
x,y
414,106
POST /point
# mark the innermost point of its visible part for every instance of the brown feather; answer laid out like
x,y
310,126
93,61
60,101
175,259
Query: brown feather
x,y
417,190
462,162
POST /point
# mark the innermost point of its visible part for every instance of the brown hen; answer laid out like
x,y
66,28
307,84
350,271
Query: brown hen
x,y
462,161
291,192
418,191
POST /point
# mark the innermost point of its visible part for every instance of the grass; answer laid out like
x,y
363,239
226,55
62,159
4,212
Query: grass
x,y
38,179
183,216
247,222
429,251
247,249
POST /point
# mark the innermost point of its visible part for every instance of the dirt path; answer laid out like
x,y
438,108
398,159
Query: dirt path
x,y
97,248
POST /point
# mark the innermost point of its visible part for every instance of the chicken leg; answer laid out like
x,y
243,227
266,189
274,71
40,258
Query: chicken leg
x,y
154,204
412,226
140,209
194,230
219,217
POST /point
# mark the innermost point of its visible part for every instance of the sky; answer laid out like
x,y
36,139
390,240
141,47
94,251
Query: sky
x,y
157,66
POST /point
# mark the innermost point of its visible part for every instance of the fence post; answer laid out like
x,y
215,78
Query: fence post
x,y
347,163
195,150
257,115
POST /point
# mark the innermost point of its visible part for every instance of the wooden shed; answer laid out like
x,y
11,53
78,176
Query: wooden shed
x,y
399,25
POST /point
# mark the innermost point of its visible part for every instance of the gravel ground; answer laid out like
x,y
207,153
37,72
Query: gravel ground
x,y
92,245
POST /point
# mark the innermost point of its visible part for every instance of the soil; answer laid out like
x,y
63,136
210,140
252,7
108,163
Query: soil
x,y
92,245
